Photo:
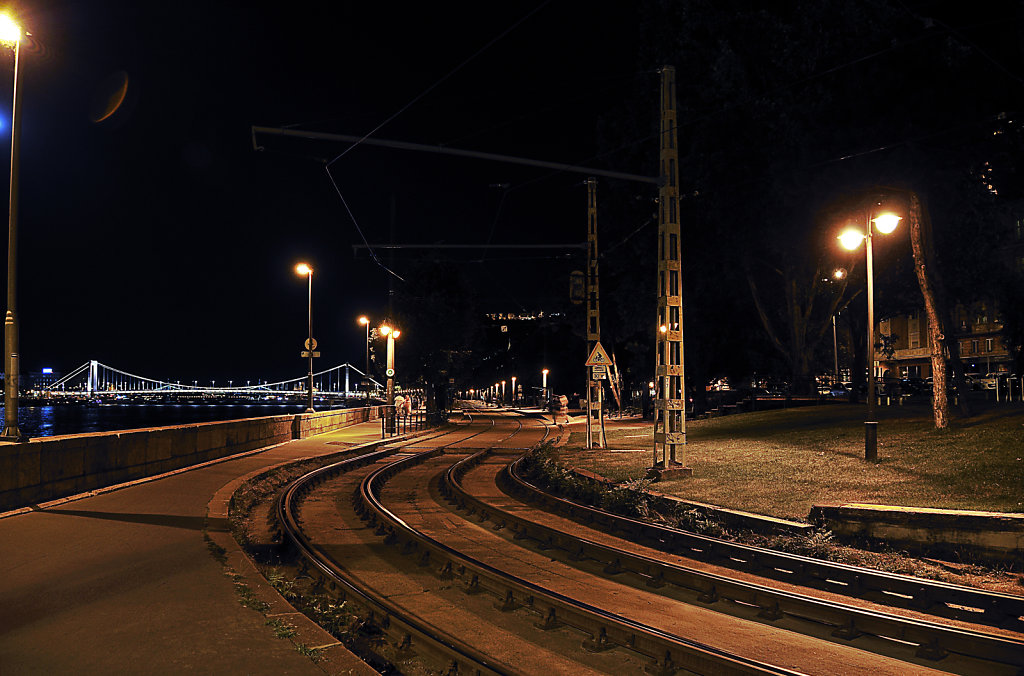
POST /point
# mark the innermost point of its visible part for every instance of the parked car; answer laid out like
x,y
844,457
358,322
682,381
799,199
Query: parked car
x,y
994,379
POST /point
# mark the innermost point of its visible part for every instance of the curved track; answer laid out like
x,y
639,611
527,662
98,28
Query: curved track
x,y
489,584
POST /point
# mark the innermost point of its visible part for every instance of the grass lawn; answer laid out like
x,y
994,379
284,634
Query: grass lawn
x,y
782,462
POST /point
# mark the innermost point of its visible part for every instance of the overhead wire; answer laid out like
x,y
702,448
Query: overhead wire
x,y
415,99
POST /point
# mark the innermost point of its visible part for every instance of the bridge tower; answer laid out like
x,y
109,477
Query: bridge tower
x,y
93,376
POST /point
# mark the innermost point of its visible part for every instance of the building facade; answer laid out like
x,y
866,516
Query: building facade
x,y
978,331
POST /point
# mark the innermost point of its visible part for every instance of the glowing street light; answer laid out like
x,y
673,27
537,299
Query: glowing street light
x,y
850,240
10,34
305,269
365,321
513,390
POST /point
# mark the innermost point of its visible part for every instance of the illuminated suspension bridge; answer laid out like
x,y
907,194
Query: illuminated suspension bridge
x,y
95,379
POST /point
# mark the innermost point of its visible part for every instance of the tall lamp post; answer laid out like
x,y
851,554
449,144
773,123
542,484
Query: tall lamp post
x,y
305,269
392,334
544,384
10,34
850,240
513,390
365,321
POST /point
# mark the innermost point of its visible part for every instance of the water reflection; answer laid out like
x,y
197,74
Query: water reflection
x,y
47,421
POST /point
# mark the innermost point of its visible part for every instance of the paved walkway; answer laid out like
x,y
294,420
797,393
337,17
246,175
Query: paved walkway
x,y
124,582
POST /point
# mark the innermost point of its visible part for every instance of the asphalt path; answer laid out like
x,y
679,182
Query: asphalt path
x,y
123,582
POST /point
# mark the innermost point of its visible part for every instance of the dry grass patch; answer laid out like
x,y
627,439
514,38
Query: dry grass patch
x,y
781,463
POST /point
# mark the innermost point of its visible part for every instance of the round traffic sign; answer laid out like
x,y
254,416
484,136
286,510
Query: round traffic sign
x,y
310,343
390,373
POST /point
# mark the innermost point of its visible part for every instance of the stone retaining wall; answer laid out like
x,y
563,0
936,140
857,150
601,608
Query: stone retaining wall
x,y
52,467
986,536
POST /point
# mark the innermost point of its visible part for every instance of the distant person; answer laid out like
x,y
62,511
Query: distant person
x,y
400,405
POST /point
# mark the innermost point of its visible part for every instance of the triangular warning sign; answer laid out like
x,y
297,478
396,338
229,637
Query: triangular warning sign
x,y
598,357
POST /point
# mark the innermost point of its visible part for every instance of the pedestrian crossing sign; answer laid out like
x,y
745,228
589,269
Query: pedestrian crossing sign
x,y
598,357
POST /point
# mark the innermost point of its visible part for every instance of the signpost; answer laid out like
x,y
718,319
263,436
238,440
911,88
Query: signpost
x,y
597,363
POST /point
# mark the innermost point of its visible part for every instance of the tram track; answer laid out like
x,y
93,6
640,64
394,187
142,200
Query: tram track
x,y
457,554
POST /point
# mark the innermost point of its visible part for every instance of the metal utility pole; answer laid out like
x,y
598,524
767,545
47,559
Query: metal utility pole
x,y
670,398
595,390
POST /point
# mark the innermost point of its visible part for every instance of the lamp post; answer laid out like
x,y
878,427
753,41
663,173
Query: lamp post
x,y
305,269
391,334
850,240
10,33
544,384
365,321
838,274
513,390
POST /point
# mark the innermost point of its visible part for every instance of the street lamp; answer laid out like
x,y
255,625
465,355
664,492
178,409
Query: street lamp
x,y
365,321
544,383
513,390
304,269
850,240
10,34
838,274
391,334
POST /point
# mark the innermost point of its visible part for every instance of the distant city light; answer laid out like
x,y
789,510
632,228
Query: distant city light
x,y
47,372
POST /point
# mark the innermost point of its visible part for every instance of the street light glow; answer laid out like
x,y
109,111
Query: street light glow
x,y
395,333
839,273
385,330
364,320
886,223
10,31
851,239
303,269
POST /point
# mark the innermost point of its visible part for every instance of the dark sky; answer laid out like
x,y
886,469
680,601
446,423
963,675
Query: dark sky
x,y
157,241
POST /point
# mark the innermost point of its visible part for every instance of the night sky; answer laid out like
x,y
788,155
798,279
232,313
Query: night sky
x,y
158,241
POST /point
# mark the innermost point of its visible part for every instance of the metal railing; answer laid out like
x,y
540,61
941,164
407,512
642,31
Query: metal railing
x,y
394,422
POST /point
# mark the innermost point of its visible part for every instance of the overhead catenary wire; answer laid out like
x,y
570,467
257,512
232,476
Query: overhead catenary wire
x,y
415,99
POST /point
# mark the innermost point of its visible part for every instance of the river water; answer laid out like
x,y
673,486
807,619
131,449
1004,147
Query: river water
x,y
48,421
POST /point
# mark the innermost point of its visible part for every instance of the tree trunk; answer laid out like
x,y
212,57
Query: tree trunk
x,y
936,335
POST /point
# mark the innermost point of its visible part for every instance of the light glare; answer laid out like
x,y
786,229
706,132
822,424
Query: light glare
x,y
851,239
10,31
886,223
364,320
303,269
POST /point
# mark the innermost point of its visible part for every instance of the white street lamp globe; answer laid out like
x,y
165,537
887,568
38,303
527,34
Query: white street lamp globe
x,y
10,31
886,223
851,239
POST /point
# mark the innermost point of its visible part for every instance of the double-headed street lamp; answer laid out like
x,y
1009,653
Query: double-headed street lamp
x,y
305,269
365,321
10,34
850,240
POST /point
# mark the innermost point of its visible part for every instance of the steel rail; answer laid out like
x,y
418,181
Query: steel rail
x,y
668,650
399,625
933,640
931,596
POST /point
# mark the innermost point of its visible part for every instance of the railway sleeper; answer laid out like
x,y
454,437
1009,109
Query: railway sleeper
x,y
599,643
509,604
663,667
549,622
